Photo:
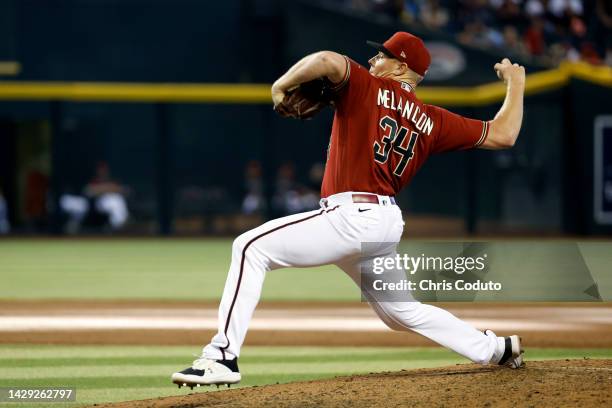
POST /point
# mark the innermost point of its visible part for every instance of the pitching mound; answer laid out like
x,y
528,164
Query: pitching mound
x,y
540,383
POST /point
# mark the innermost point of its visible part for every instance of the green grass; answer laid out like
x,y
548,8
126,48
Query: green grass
x,y
170,269
120,373
147,269
179,270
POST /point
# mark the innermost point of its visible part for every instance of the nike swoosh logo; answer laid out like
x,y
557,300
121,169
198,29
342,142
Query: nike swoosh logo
x,y
360,210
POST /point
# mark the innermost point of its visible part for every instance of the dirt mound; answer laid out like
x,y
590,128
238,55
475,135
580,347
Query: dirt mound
x,y
541,383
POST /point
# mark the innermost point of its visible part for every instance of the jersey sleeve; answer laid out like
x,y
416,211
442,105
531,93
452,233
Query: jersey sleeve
x,y
457,132
354,86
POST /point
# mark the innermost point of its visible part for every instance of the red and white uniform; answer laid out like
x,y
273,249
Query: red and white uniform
x,y
360,129
381,136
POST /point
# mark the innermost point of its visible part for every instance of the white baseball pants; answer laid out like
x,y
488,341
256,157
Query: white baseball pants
x,y
333,235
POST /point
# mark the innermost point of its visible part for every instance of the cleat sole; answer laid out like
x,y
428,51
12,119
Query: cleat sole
x,y
193,381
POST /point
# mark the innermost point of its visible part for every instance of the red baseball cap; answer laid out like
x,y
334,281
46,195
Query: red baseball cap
x,y
407,48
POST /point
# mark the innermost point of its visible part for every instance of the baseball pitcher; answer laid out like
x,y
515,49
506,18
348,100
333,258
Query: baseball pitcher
x,y
381,135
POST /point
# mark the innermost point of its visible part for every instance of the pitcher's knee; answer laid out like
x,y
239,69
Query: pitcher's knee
x,y
392,324
401,316
247,249
240,244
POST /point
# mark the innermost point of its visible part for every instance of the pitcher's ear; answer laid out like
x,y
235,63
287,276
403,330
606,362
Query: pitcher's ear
x,y
402,68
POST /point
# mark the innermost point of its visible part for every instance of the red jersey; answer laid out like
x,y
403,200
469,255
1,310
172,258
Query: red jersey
x,y
382,134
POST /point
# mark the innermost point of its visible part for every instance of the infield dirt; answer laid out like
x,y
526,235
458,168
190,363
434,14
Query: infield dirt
x,y
585,383
582,325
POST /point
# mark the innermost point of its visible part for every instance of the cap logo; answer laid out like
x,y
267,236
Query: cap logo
x,y
406,48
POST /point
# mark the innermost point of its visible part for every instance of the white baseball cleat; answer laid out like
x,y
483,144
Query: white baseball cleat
x,y
513,355
208,372
513,351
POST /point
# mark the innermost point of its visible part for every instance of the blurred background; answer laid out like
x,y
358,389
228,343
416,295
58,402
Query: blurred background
x,y
135,118
125,121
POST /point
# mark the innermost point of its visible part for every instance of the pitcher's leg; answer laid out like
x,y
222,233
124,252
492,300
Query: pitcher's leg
x,y
434,323
300,240
445,329
235,311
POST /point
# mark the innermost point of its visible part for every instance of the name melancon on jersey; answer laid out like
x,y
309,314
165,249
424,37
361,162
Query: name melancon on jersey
x,y
407,109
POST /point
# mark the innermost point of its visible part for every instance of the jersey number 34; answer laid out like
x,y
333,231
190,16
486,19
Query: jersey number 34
x,y
393,139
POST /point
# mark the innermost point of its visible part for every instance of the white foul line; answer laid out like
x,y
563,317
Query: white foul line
x,y
63,323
